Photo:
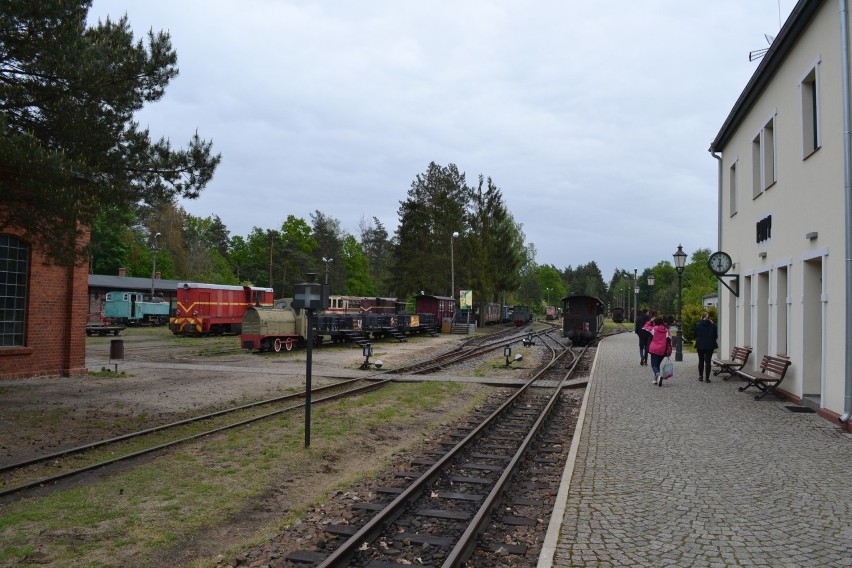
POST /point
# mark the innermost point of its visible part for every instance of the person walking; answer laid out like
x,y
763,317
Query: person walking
x,y
643,335
705,342
660,346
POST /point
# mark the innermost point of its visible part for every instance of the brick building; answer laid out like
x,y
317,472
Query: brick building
x,y
42,312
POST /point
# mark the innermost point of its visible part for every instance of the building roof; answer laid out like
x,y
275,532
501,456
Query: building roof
x,y
130,283
796,24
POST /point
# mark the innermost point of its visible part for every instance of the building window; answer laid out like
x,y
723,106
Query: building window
x,y
763,158
732,189
810,113
14,267
768,154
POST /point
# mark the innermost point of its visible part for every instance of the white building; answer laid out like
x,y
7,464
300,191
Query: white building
x,y
785,173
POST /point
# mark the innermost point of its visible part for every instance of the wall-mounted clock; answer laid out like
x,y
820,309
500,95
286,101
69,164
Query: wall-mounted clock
x,y
719,262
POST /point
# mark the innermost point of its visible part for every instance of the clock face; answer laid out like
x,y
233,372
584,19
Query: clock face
x,y
719,262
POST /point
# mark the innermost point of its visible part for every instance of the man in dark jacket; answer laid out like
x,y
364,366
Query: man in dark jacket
x,y
643,335
705,344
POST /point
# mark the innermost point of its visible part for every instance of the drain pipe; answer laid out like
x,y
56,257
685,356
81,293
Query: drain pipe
x,y
719,243
847,191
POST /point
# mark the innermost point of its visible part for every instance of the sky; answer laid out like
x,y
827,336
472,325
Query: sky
x,y
593,118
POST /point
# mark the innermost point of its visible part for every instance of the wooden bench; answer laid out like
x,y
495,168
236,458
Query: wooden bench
x,y
739,357
767,379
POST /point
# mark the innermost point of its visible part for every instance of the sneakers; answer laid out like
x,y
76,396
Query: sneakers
x,y
707,380
660,382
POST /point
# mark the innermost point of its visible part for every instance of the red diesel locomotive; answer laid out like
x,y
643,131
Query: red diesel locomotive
x,y
214,309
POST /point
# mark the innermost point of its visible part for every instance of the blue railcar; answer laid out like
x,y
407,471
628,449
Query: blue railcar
x,y
135,308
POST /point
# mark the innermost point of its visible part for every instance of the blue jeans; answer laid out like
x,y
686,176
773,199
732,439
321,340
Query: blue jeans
x,y
656,360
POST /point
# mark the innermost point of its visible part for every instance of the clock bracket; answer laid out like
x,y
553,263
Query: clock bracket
x,y
735,280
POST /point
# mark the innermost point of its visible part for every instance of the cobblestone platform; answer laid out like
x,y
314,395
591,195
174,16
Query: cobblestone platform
x,y
698,474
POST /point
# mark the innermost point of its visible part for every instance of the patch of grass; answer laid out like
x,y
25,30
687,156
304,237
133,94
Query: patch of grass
x,y
109,373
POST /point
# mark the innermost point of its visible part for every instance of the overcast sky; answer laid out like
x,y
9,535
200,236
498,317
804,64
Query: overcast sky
x,y
593,118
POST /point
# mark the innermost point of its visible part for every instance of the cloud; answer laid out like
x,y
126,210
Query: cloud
x,y
593,119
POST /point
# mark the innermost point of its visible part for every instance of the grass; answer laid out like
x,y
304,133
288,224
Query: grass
x,y
141,514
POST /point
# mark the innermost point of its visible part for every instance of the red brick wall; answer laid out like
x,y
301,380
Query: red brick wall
x,y
57,303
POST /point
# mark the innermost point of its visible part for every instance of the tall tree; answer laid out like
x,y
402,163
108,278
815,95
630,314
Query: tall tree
x,y
69,145
492,256
377,249
359,281
436,207
328,236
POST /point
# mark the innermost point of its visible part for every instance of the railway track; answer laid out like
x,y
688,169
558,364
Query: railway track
x,y
41,471
476,498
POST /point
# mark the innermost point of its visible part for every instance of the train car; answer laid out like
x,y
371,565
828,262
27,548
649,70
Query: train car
x,y
582,318
214,309
551,313
617,315
441,308
275,328
488,313
361,304
282,327
521,315
135,308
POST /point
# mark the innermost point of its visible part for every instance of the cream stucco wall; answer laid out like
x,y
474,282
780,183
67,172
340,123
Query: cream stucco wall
x,y
805,318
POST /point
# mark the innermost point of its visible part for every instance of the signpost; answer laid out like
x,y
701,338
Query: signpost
x,y
309,296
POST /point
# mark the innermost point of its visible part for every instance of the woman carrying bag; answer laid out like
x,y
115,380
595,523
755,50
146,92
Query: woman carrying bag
x,y
660,347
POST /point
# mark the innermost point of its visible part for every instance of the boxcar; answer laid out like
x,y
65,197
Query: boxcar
x,y
440,308
521,315
214,309
489,313
134,308
582,318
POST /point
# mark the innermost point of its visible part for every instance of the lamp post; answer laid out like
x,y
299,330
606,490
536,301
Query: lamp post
x,y
680,261
453,266
326,261
154,263
635,294
548,295
651,285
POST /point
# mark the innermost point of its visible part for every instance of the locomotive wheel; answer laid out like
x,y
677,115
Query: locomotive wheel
x,y
288,344
277,346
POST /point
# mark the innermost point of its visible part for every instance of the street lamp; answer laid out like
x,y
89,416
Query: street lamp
x,y
635,294
154,263
453,266
680,261
548,295
650,284
326,261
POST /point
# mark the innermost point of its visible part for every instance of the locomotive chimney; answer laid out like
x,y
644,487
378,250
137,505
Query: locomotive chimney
x,y
121,272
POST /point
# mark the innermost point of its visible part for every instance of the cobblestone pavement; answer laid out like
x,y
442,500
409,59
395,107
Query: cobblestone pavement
x,y
700,474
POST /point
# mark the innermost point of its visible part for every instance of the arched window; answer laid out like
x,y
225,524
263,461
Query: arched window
x,y
14,268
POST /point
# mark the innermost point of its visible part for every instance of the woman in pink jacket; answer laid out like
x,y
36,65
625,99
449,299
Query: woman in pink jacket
x,y
660,347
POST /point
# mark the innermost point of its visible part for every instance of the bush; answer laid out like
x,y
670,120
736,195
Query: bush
x,y
691,315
